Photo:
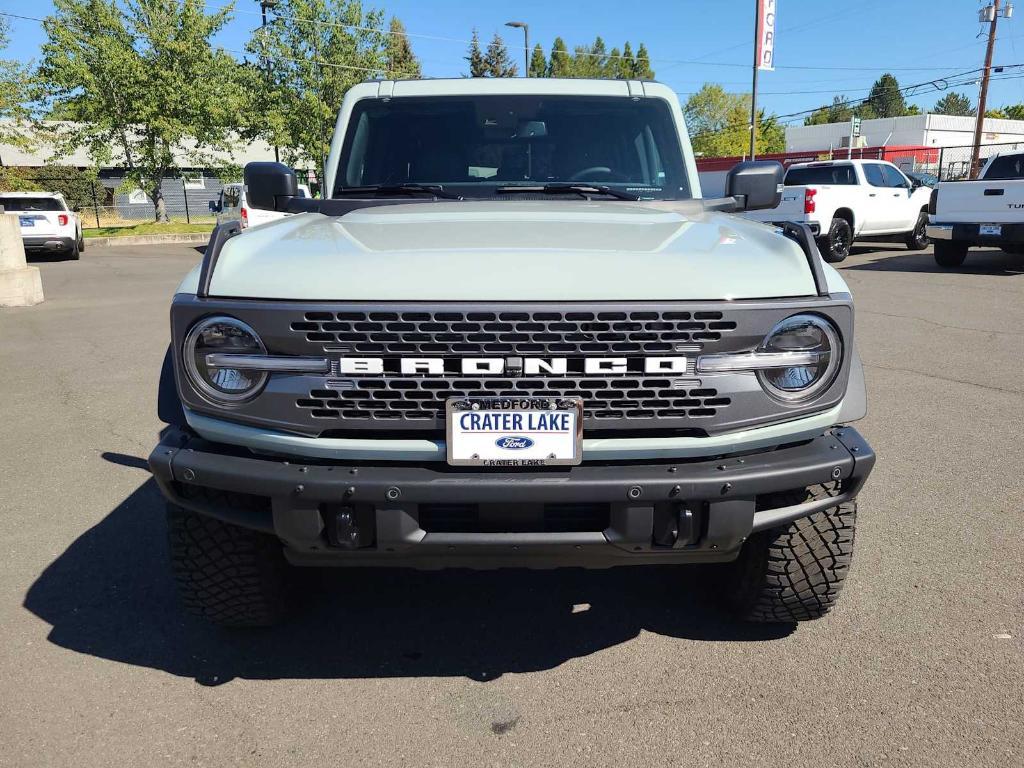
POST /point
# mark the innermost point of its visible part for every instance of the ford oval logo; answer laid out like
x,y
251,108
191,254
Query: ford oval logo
x,y
513,443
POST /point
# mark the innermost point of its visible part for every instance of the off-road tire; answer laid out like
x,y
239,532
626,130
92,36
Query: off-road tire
x,y
795,572
835,245
917,239
228,575
950,253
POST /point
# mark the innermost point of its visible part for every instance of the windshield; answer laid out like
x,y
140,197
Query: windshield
x,y
31,204
820,174
1006,167
474,145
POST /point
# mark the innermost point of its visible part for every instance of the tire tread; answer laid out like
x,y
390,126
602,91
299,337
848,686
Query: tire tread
x,y
231,576
796,572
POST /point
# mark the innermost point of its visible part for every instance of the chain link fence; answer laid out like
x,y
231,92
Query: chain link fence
x,y
954,163
107,202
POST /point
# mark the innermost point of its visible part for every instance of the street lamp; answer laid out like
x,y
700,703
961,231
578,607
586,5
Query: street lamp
x,y
268,5
526,44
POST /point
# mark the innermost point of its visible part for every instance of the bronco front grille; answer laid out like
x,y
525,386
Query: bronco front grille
x,y
521,333
358,401
603,398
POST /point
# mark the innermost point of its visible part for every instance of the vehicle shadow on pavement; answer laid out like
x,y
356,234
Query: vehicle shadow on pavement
x,y
110,595
985,262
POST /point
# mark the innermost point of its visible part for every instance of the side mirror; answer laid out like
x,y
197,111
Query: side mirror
x,y
214,206
756,184
270,186
77,209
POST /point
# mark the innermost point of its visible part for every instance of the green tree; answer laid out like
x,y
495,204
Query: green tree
x,y
538,63
719,124
401,61
1014,111
561,62
497,62
885,98
642,67
15,85
954,104
839,111
998,113
627,64
475,57
143,84
318,49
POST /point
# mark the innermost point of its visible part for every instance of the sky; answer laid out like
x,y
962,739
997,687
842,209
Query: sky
x,y
823,48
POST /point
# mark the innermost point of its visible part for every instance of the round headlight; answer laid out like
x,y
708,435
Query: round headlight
x,y
809,334
223,335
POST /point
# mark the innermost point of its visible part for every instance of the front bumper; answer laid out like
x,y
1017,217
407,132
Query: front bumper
x,y
971,233
434,516
47,243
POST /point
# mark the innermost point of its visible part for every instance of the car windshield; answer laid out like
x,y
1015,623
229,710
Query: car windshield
x,y
476,145
820,174
31,204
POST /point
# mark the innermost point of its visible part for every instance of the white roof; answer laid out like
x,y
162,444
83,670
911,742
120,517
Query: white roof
x,y
31,194
44,152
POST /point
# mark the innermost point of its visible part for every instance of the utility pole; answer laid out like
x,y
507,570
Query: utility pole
x,y
526,43
991,14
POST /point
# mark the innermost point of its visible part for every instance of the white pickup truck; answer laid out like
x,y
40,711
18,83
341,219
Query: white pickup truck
x,y
843,200
986,212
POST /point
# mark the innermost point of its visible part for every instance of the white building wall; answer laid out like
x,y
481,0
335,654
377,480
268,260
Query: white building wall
x,y
911,130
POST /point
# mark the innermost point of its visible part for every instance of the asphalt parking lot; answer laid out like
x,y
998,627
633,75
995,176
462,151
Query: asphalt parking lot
x,y
920,664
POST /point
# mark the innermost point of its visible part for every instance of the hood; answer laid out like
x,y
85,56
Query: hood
x,y
558,250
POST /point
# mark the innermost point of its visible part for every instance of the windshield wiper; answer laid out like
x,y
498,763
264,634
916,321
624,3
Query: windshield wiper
x,y
408,188
583,190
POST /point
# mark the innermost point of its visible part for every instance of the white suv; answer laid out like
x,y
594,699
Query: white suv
x,y
48,225
232,205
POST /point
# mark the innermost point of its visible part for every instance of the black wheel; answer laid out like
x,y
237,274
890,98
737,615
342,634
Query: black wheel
x,y
81,242
228,575
918,238
950,253
835,246
75,253
795,572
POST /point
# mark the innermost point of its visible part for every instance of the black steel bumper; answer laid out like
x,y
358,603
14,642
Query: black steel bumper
x,y
1010,234
45,244
435,516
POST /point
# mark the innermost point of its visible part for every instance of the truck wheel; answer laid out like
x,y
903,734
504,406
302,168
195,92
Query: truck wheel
x,y
795,572
231,576
950,253
918,239
81,242
835,246
75,252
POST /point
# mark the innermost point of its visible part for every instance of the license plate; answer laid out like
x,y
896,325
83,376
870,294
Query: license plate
x,y
26,221
990,229
514,432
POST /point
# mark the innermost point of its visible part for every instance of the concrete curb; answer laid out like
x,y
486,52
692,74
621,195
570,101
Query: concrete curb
x,y
146,239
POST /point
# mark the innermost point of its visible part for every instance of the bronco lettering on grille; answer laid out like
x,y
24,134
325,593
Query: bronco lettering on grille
x,y
515,366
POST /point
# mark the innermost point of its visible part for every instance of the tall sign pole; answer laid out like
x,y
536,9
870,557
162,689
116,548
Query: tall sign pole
x,y
764,58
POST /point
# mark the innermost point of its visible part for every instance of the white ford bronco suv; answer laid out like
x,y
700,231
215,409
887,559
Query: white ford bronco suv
x,y
512,334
